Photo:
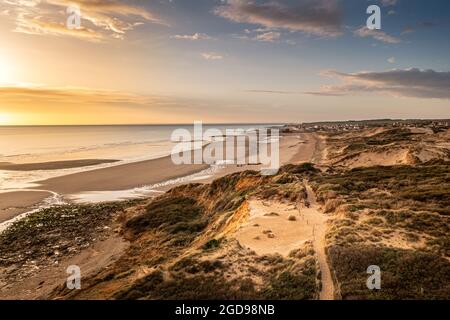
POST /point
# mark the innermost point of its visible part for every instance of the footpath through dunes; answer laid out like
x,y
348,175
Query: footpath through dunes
x,y
318,220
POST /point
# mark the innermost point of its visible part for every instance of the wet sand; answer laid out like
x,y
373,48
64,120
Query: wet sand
x,y
295,148
122,177
306,149
53,165
18,202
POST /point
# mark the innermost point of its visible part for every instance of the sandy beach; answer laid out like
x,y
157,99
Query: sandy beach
x,y
120,177
53,165
294,148
17,202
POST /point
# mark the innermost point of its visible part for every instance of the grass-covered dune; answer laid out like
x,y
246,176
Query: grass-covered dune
x,y
395,217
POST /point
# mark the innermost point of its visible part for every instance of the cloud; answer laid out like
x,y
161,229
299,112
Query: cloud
x,y
63,96
271,91
268,36
412,82
318,17
420,25
25,24
261,34
365,32
407,30
391,60
211,56
195,36
100,19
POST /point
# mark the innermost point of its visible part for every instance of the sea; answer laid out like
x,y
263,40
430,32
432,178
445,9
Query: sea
x,y
126,143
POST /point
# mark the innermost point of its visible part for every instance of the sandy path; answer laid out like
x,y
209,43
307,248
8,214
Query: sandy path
x,y
317,220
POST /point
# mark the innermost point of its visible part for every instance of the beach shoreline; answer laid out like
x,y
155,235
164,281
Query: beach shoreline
x,y
162,172
15,203
54,165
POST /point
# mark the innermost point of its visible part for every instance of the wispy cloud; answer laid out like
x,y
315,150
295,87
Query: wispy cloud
x,y
271,91
318,17
211,56
193,37
101,19
63,96
412,82
270,36
365,32
407,30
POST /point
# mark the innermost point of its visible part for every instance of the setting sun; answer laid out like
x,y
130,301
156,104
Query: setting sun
x,y
6,69
4,118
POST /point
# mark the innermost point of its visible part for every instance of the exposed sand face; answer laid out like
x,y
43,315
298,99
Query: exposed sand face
x,y
386,158
269,230
275,227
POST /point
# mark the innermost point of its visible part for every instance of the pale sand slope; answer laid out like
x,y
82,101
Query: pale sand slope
x,y
268,229
275,227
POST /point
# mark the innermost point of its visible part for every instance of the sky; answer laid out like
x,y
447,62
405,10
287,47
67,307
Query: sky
x,y
222,61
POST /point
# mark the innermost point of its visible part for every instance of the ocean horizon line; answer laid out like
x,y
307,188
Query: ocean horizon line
x,y
143,124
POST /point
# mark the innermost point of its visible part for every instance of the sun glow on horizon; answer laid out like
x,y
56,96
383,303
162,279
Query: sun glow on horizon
x,y
4,119
6,69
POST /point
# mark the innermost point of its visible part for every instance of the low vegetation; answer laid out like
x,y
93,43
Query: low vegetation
x,y
44,237
395,217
